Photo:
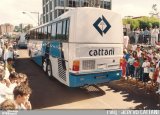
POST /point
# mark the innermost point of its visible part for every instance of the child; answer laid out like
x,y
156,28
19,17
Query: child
x,y
145,67
21,96
136,64
123,64
151,72
131,67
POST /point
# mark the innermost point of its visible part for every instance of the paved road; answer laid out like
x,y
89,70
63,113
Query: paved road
x,y
51,94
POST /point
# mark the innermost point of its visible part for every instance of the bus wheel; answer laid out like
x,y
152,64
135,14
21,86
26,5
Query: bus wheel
x,y
49,69
44,66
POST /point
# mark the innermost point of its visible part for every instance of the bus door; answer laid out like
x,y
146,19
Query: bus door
x,y
58,57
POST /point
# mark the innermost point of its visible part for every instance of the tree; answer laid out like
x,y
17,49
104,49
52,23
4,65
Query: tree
x,y
142,22
154,12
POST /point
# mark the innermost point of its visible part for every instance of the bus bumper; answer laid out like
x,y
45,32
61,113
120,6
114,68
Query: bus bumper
x,y
93,78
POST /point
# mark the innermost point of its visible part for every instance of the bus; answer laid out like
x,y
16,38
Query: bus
x,y
81,47
22,42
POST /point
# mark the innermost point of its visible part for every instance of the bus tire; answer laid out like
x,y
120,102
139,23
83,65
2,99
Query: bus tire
x,y
49,69
44,66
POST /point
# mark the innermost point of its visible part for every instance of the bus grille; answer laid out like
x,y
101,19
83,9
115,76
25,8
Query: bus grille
x,y
61,69
88,64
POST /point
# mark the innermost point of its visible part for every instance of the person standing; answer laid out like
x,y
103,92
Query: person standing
x,y
146,66
153,38
155,33
131,67
126,40
141,37
123,64
137,32
146,36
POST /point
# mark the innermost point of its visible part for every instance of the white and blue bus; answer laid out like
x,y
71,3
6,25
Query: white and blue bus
x,y
81,47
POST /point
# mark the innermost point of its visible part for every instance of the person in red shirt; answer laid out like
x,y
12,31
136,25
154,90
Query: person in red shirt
x,y
136,64
123,64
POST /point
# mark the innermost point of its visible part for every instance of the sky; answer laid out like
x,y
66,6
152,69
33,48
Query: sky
x,y
11,10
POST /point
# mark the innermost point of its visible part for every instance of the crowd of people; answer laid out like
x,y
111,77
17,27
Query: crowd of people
x,y
149,36
141,56
14,87
142,63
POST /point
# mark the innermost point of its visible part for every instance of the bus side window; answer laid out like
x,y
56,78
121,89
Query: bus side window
x,y
49,32
42,36
34,34
64,30
67,28
54,31
39,33
45,32
31,34
59,30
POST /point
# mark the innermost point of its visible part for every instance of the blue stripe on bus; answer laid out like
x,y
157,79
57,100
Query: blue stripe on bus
x,y
38,60
94,78
55,50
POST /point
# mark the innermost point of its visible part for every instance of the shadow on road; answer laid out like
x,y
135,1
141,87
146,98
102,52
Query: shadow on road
x,y
147,100
47,92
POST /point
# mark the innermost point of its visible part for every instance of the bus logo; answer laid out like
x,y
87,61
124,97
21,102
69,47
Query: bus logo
x,y
102,25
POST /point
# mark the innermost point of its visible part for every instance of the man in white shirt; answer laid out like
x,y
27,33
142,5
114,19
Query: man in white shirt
x,y
126,40
145,67
155,33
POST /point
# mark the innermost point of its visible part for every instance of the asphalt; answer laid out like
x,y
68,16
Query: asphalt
x,y
51,94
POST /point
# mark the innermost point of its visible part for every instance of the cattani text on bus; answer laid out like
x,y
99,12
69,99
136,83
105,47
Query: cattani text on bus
x,y
101,52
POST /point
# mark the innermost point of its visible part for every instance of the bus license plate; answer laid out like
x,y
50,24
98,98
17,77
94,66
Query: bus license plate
x,y
101,66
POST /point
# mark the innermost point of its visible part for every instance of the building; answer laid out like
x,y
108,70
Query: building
x,y
23,27
54,8
6,29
